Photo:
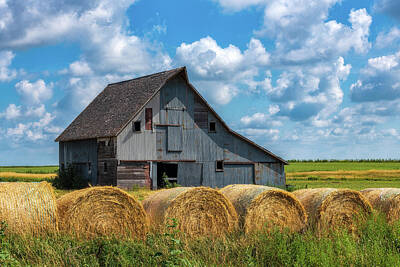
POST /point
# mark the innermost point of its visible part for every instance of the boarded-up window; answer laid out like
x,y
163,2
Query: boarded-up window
x,y
149,119
174,138
200,113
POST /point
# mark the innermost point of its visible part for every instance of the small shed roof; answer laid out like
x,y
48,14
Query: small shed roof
x,y
114,107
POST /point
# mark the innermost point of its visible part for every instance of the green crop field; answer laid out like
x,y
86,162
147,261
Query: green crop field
x,y
30,169
353,175
341,166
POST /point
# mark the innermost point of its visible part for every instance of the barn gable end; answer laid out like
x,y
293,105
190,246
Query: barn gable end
x,y
174,135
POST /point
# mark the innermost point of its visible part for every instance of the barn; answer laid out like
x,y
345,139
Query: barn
x,y
157,128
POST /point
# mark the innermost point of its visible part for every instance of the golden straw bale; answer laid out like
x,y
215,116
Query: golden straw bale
x,y
386,200
101,211
28,208
258,206
198,210
331,208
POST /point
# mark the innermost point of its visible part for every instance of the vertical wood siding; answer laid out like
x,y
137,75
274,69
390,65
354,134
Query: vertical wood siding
x,y
139,145
83,152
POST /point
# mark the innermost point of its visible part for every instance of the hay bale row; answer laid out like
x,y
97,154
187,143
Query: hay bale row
x,y
385,200
102,211
262,207
28,208
330,208
31,208
198,210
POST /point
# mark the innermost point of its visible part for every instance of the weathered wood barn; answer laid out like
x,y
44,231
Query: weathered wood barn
x,y
158,127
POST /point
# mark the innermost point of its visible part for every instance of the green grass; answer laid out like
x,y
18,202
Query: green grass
x,y
376,244
337,166
29,169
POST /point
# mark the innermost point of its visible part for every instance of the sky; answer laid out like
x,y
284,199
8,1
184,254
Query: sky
x,y
317,79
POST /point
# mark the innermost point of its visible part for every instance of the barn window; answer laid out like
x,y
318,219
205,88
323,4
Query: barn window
x,y
212,127
149,119
136,126
219,166
105,167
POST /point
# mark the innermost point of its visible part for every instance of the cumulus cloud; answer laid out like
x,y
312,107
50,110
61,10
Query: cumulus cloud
x,y
272,134
6,57
218,70
387,39
12,112
379,80
34,93
305,93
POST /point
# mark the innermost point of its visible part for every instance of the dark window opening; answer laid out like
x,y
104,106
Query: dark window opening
x,y
166,173
89,166
62,166
136,126
219,166
105,167
149,119
102,143
212,127
201,119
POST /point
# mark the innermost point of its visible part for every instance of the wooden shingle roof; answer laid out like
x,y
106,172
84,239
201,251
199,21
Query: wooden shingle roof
x,y
115,106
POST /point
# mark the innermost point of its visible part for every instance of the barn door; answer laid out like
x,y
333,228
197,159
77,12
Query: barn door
x,y
190,173
238,174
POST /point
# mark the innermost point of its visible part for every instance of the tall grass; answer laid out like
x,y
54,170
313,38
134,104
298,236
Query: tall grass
x,y
376,244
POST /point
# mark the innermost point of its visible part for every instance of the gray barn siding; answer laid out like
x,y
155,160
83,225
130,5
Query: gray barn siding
x,y
205,147
174,105
80,152
139,145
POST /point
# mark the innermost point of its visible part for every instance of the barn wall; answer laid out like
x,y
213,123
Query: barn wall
x,y
177,106
81,153
178,136
141,145
107,161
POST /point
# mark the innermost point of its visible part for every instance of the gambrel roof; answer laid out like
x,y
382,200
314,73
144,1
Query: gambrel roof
x,y
118,104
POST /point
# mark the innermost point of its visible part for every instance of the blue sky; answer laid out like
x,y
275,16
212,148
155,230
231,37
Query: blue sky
x,y
305,79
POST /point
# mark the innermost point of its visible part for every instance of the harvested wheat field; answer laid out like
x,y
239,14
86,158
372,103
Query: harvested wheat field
x,y
102,211
27,175
28,208
386,200
198,210
331,208
259,205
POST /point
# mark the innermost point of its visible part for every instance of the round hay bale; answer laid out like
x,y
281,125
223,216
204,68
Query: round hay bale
x,y
101,211
258,206
386,200
334,208
198,210
28,208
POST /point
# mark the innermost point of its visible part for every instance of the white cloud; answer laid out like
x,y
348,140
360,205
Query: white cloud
x,y
272,134
12,112
379,80
33,131
34,93
219,70
80,68
387,39
236,5
313,92
6,58
260,120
